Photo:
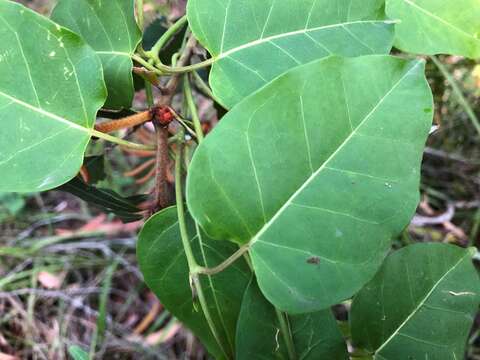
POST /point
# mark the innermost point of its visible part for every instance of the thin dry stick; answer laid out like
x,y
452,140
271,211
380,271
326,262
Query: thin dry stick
x,y
139,153
147,177
140,168
125,123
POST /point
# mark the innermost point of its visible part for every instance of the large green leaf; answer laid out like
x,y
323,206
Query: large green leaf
x,y
255,41
315,336
437,26
51,86
420,305
317,171
164,266
110,28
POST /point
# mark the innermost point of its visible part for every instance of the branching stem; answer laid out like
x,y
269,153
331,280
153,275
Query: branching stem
x,y
224,265
154,52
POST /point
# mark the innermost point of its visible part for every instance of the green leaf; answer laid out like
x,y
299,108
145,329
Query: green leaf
x,y
50,90
420,305
315,336
164,265
109,27
317,171
127,209
437,27
255,41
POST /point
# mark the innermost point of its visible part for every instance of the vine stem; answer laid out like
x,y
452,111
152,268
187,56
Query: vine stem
x,y
140,17
192,263
165,69
154,52
287,334
458,92
192,108
115,140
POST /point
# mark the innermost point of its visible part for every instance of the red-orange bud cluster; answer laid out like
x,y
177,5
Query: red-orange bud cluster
x,y
163,115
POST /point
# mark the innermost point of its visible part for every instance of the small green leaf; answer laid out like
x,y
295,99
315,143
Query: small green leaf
x,y
315,336
317,171
437,27
10,205
420,305
127,209
109,27
164,266
51,88
254,41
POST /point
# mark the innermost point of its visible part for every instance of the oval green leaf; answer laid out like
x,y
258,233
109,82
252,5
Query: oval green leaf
x,y
315,336
437,27
109,27
51,88
317,171
420,305
164,265
255,41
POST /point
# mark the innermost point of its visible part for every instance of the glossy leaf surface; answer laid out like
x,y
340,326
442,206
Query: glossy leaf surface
x,y
51,87
164,266
420,305
315,336
255,41
437,27
109,27
317,171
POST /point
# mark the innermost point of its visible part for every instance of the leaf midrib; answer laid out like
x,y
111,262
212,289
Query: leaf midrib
x,y
267,225
261,41
421,303
438,18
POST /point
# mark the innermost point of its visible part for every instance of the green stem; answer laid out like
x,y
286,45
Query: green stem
x,y
218,269
154,52
287,334
119,141
193,109
203,87
140,20
184,69
146,64
149,94
192,263
463,102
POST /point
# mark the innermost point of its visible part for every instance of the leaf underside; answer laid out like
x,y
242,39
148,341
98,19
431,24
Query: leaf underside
x,y
320,184
437,27
109,27
255,41
439,296
50,90
164,265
